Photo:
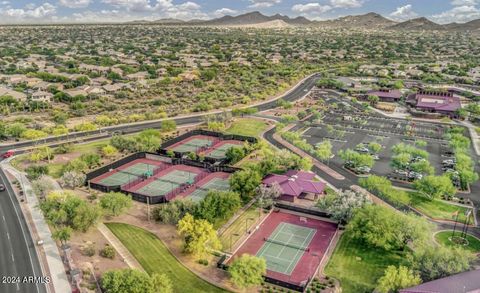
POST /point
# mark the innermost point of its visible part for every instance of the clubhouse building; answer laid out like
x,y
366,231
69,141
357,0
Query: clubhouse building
x,y
386,95
296,185
444,103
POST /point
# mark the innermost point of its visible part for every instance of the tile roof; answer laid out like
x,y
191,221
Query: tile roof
x,y
386,93
437,101
294,183
466,282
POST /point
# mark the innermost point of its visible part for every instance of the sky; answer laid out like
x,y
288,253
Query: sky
x,y
68,11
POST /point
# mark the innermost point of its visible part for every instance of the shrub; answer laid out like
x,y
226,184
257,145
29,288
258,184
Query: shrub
x,y
108,252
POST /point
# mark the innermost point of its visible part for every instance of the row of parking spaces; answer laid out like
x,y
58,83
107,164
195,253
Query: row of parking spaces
x,y
385,124
437,151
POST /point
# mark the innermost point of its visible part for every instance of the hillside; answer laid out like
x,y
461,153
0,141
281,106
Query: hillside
x,y
369,20
255,18
418,24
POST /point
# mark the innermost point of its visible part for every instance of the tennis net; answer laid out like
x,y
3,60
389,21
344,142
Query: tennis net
x,y
129,173
286,244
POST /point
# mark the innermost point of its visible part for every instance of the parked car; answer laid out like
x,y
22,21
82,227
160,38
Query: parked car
x,y
363,169
415,175
401,172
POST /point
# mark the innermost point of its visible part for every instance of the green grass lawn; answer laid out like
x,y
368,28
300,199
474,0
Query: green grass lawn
x,y
239,226
358,267
435,208
154,257
248,127
473,242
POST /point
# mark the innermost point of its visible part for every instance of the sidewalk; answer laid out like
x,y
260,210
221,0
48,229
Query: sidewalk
x,y
54,260
127,257
474,135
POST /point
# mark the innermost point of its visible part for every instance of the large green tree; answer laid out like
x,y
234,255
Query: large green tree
x,y
199,236
245,182
247,270
435,186
134,281
439,261
385,228
115,203
396,278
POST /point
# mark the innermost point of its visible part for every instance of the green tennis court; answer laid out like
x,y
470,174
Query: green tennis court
x,y
167,183
219,153
127,175
192,145
216,183
285,246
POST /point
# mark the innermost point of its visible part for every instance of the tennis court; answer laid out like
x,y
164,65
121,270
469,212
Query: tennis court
x,y
216,184
285,246
192,145
124,176
167,183
219,153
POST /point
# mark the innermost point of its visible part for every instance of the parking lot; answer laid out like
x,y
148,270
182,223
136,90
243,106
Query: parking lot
x,y
343,138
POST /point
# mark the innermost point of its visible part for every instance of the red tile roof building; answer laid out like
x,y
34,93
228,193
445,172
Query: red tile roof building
x,y
296,184
435,102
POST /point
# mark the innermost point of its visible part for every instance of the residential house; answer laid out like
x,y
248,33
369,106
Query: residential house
x,y
41,96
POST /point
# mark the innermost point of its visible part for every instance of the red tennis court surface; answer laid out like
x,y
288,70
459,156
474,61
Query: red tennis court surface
x,y
309,262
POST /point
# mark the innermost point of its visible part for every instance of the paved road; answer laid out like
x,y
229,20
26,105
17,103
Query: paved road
x,y
296,93
18,257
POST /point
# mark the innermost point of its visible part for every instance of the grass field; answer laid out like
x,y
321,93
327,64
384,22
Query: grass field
x,y
358,267
154,257
248,127
239,226
443,238
435,208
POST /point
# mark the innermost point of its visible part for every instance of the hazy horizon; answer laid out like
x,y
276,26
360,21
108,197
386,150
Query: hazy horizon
x,y
118,11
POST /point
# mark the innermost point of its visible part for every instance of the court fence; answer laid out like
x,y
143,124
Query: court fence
x,y
222,264
218,136
167,163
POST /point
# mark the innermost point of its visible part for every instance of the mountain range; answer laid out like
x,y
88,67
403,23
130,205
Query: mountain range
x,y
366,21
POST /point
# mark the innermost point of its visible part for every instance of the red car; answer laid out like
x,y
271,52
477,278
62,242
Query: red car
x,y
8,154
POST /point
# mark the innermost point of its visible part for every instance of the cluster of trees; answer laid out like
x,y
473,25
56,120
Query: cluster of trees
x,y
464,164
322,150
215,207
382,187
390,230
66,212
355,159
408,157
149,140
343,205
237,153
135,281
330,83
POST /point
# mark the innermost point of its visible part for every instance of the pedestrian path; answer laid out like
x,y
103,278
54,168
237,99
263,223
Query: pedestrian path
x,y
54,260
127,257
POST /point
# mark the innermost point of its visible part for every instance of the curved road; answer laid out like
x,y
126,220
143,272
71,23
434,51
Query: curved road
x,y
297,92
18,256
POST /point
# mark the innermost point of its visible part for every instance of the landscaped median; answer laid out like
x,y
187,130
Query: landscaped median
x,y
155,257
445,238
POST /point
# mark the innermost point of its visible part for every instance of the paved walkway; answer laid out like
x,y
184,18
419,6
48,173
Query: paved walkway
x,y
54,260
127,257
